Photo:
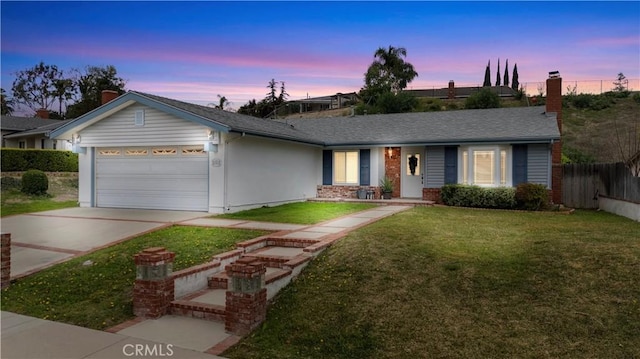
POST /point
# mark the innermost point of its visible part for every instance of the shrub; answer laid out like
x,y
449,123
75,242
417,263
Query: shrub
x,y
484,98
532,196
35,182
479,197
10,183
14,159
636,97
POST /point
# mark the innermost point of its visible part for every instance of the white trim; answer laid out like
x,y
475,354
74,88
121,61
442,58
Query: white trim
x,y
497,151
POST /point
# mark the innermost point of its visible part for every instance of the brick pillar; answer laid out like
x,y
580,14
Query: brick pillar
x,y
5,249
392,167
154,288
246,301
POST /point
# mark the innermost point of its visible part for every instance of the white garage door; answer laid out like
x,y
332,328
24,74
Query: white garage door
x,y
171,177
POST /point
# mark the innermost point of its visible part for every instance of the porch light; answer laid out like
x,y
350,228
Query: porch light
x,y
389,151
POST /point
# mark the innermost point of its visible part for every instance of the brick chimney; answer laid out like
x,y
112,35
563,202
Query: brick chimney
x,y
451,93
554,104
108,96
43,113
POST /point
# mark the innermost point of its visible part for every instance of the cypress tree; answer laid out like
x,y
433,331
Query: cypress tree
x,y
498,74
487,76
514,81
506,74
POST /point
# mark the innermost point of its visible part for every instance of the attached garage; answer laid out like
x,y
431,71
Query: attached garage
x,y
160,177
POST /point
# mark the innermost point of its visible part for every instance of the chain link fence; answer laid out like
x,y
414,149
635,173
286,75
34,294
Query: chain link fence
x,y
595,87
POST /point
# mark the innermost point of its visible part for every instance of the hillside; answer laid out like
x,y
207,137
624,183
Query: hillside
x,y
601,134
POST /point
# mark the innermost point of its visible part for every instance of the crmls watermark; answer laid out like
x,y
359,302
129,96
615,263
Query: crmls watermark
x,y
148,350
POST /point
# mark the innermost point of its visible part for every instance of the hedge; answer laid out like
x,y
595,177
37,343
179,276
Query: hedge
x,y
479,197
15,159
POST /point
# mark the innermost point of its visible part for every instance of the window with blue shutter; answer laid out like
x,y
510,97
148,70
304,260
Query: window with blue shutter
x,y
327,167
365,173
519,164
450,165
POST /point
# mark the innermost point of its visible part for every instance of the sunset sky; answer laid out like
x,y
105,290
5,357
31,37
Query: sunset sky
x,y
193,51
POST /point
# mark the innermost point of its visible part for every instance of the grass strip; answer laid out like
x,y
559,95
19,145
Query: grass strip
x,y
99,295
299,212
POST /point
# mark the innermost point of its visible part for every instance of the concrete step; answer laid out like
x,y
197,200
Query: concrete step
x,y
207,304
221,280
281,257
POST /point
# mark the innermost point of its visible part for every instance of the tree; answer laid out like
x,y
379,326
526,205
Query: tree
x,y
222,103
400,102
506,74
65,89
514,79
268,106
387,73
7,103
91,83
620,83
36,87
498,74
485,98
487,75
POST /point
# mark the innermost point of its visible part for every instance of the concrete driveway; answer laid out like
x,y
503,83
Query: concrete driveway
x,y
39,240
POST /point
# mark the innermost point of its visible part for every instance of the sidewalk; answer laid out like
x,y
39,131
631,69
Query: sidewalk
x,y
25,337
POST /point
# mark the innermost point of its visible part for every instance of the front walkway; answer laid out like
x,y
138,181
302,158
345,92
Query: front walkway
x,y
211,335
27,337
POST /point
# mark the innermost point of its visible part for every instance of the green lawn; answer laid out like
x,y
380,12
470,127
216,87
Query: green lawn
x,y
15,202
99,296
443,282
300,212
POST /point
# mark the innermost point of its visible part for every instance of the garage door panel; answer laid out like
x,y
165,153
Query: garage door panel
x,y
178,182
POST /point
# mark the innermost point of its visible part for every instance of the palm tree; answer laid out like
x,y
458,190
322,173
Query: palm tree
x,y
389,71
222,102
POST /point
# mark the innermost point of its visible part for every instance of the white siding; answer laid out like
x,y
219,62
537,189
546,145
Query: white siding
x,y
159,128
268,172
86,177
538,164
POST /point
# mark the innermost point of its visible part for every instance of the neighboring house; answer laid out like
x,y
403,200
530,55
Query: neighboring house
x,y
31,132
146,151
453,92
314,104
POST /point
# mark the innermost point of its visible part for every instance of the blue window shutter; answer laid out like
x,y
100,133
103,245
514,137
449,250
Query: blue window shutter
x,y
450,165
327,167
519,164
365,173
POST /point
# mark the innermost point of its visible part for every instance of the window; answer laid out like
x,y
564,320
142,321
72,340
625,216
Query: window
x,y
22,144
42,143
345,167
485,166
139,118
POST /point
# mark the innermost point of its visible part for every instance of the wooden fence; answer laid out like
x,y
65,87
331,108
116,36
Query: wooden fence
x,y
582,184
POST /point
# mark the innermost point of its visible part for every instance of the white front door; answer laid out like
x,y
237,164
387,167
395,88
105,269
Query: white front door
x,y
412,172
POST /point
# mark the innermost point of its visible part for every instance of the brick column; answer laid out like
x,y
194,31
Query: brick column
x,y
5,248
246,301
393,168
154,288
